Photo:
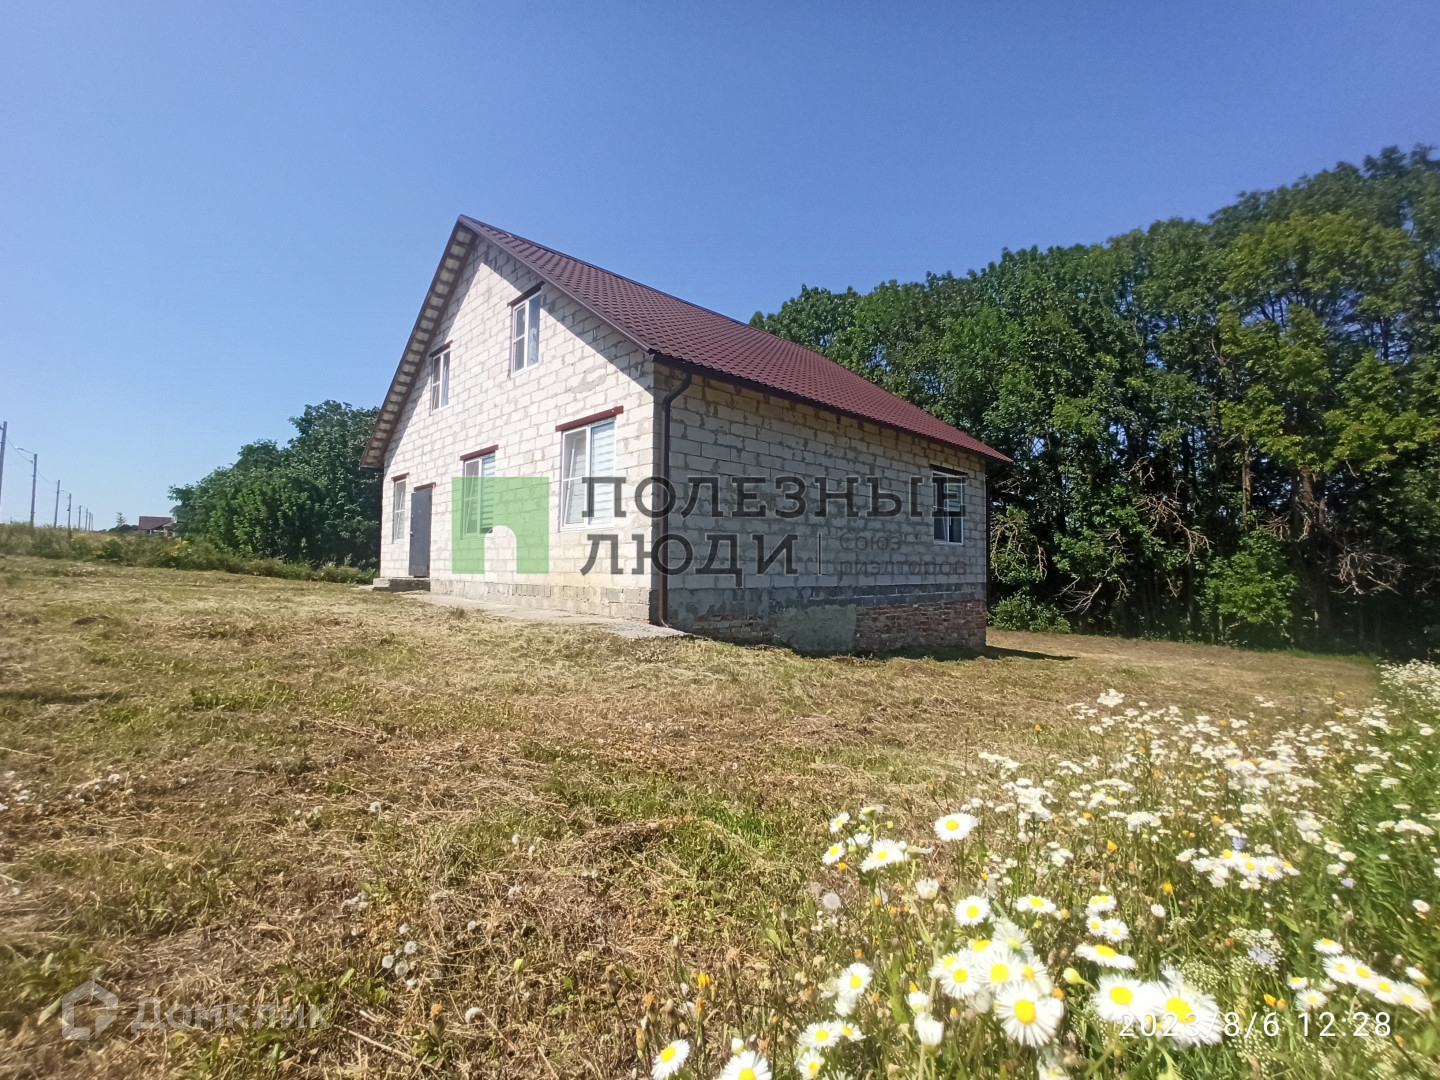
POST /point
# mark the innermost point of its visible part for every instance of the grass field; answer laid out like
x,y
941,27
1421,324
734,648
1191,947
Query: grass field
x,y
248,790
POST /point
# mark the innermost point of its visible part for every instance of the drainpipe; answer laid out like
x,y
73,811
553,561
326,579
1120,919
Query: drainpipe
x,y
662,584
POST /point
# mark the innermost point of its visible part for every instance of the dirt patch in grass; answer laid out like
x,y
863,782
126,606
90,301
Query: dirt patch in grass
x,y
252,791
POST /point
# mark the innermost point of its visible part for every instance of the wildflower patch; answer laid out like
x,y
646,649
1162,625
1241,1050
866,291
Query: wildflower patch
x,y
1196,899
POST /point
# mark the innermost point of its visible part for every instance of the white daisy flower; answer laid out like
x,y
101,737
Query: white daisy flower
x,y
1384,989
1329,947
1421,907
929,1030
1012,936
1365,977
953,827
1099,904
997,966
670,1059
1119,998
972,910
833,854
927,888
1029,1017
1195,1013
1106,957
952,972
809,1064
1035,971
1158,910
1110,698
854,980
1114,930
1309,999
839,821
918,1000
1035,905
1412,997
884,853
819,1036
1341,969
746,1065
849,1032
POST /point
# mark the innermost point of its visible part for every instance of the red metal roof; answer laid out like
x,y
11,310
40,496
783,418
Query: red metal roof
x,y
713,343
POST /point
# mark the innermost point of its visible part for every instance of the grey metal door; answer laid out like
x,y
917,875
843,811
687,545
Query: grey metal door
x,y
420,532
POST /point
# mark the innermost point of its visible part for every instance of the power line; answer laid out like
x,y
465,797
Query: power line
x,y
35,476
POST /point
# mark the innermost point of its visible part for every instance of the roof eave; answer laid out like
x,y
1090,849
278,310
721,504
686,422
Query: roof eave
x,y
422,335
974,446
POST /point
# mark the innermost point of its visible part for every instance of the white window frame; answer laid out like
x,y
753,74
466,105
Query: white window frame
x,y
572,487
482,465
398,510
525,333
440,380
950,530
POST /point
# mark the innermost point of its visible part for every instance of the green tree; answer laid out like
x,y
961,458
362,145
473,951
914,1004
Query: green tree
x,y
308,501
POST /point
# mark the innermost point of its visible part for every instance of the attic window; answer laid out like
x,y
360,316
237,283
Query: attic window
x,y
440,379
525,333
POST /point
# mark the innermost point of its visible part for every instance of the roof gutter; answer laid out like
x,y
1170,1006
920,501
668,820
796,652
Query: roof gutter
x,y
662,580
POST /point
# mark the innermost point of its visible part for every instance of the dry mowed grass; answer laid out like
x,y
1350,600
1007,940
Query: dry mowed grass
x,y
555,806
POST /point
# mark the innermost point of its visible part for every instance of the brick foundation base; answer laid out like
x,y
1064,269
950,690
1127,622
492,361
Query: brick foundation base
x,y
953,623
881,628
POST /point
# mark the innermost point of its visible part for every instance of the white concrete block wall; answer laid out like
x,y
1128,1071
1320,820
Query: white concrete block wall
x,y
584,367
720,429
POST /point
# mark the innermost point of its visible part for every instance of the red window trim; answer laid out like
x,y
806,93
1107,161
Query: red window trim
x,y
527,294
571,425
422,487
479,453
400,476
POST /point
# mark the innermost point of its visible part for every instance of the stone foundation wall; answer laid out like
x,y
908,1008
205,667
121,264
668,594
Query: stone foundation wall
x,y
614,603
839,628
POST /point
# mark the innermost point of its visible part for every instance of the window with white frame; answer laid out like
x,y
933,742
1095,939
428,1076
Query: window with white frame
x,y
440,379
525,333
397,510
477,502
950,498
587,451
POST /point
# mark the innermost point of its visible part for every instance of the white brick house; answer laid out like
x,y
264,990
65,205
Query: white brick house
x,y
528,363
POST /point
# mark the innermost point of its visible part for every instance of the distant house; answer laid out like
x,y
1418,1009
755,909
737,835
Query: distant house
x,y
690,469
151,525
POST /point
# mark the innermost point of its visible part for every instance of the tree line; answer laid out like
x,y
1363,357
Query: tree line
x,y
305,502
1224,430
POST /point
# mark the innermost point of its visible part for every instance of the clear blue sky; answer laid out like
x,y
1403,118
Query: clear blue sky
x,y
212,214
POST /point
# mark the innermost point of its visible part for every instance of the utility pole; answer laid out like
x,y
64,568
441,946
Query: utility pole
x,y
69,502
34,472
55,521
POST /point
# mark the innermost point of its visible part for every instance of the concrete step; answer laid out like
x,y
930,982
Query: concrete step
x,y
402,584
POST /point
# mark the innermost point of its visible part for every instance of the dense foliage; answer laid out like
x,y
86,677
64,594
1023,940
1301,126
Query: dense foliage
x,y
308,501
129,549
1227,429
